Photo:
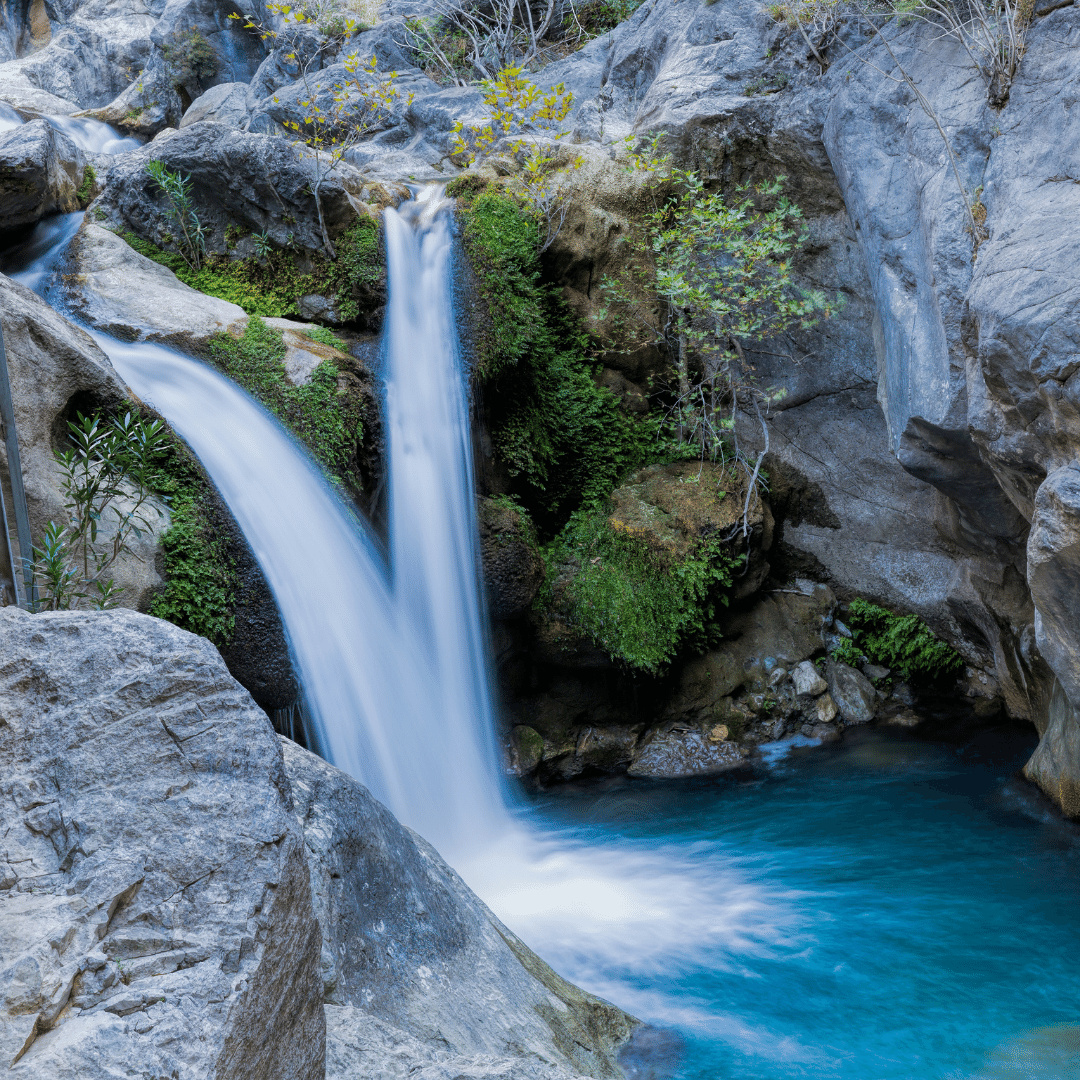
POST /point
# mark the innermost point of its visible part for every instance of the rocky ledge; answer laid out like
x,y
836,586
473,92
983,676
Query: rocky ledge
x,y
143,921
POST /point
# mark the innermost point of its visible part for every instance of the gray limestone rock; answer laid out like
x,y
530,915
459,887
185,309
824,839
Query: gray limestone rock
x,y
852,692
114,288
57,370
149,928
40,172
407,946
807,680
225,103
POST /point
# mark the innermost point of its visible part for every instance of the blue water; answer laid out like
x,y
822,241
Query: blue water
x,y
888,908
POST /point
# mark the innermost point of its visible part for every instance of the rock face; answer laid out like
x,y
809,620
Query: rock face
x,y
671,753
56,371
410,955
513,568
115,289
40,172
143,927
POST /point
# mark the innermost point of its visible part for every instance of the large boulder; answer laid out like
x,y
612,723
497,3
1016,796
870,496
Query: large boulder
x,y
256,183
40,173
114,288
143,925
513,568
56,371
408,950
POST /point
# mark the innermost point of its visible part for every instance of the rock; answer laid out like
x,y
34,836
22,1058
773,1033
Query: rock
x,y
225,103
671,753
56,370
513,568
526,748
874,672
1053,572
407,946
1055,765
825,709
904,718
822,731
149,933
807,680
782,628
257,183
148,105
115,289
40,173
852,692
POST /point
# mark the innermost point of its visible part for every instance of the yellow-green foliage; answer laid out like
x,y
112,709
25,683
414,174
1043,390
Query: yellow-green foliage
x,y
328,420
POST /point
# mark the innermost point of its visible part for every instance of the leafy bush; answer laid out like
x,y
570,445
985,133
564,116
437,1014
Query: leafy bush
x,y
563,440
326,337
631,599
903,643
191,58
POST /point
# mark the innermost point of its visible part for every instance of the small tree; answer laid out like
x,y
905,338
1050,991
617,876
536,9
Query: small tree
x,y
107,473
191,241
520,112
336,115
720,269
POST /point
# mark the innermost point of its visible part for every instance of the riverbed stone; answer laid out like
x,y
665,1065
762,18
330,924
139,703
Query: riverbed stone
x,y
672,752
825,709
807,680
852,692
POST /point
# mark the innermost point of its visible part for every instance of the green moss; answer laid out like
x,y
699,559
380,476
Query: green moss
x,y
86,188
564,441
328,420
632,599
326,337
271,287
199,582
903,643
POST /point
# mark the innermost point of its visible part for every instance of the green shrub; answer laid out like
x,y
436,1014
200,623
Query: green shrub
x,y
903,643
326,337
190,57
631,599
564,441
328,420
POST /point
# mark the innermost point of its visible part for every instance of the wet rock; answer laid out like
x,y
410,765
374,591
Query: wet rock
x,y
852,692
115,289
807,680
1055,765
905,718
407,946
825,709
513,568
781,629
823,732
875,672
672,752
126,751
40,173
526,749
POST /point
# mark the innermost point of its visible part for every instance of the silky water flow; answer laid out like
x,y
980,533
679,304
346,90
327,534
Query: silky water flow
x,y
840,913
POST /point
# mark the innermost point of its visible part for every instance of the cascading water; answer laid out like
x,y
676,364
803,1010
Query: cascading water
x,y
852,914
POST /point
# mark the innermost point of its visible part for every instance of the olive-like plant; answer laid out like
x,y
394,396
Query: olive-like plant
x,y
191,240
107,479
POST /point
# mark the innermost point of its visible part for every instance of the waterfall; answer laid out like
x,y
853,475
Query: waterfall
x,y
390,651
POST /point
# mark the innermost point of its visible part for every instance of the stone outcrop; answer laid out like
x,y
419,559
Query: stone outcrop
x,y
115,289
40,173
57,371
410,955
140,924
